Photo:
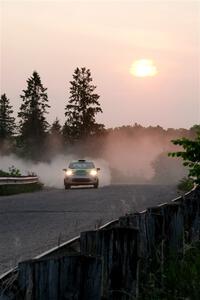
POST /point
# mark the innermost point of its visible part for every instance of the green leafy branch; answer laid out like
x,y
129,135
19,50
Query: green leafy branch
x,y
190,156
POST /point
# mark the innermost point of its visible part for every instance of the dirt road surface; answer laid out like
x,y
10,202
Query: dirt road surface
x,y
33,223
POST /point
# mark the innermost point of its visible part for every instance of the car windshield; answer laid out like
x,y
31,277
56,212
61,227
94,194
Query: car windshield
x,y
82,165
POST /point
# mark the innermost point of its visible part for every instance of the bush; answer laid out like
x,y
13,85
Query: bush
x,y
4,174
185,185
181,278
190,155
13,172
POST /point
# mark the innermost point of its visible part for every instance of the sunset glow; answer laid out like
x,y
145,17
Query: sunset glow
x,y
143,68
141,50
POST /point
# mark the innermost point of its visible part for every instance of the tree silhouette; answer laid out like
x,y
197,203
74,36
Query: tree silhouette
x,y
33,124
82,107
55,139
7,122
56,128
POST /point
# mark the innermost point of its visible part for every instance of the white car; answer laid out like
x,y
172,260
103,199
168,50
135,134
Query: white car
x,y
81,172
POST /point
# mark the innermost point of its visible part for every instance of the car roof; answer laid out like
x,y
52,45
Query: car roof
x,y
81,160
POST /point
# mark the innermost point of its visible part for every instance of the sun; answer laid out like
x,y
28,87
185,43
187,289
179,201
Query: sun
x,y
143,68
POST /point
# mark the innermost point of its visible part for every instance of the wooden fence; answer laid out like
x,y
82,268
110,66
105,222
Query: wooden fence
x,y
114,260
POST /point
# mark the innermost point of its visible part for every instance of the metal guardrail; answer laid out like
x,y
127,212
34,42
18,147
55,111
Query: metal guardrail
x,y
18,180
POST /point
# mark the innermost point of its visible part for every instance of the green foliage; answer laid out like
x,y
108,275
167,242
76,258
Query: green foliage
x,y
13,172
185,184
4,174
33,124
191,155
12,189
195,128
181,278
82,108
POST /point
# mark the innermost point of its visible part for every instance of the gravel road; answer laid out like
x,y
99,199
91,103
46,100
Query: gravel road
x,y
32,223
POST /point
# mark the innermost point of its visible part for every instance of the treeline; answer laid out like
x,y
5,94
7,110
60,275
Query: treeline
x,y
134,153
32,137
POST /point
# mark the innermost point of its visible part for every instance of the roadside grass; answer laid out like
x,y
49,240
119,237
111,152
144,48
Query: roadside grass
x,y
12,189
180,279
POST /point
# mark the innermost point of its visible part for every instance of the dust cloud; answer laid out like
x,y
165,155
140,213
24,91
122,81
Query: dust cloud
x,y
51,174
123,157
131,159
141,157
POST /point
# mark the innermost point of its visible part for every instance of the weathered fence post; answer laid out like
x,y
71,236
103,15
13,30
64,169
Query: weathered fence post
x,y
118,248
114,262
191,206
68,278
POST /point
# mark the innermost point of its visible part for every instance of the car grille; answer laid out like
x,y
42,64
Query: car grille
x,y
80,172
82,180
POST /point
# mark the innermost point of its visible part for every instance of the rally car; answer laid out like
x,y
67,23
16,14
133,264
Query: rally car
x,y
81,172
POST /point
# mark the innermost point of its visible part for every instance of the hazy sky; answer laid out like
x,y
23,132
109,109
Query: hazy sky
x,y
54,37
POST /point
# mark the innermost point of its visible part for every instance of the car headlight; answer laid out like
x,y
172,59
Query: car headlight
x,y
69,172
93,172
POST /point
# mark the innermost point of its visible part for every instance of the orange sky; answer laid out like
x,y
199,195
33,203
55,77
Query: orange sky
x,y
54,37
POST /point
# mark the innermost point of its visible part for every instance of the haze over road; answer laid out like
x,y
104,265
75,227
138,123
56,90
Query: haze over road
x,y
32,223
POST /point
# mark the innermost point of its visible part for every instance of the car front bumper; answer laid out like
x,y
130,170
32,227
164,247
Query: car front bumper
x,y
80,180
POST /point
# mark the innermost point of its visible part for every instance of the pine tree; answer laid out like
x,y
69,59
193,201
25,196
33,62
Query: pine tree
x,y
56,128
55,139
82,107
33,124
7,122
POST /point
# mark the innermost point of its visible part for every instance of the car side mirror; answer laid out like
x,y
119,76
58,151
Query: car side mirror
x,y
98,169
65,170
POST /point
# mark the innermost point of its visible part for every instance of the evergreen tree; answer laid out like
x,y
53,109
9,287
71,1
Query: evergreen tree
x,y
56,128
7,122
82,107
33,124
55,139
